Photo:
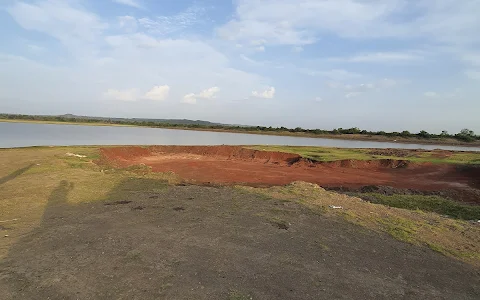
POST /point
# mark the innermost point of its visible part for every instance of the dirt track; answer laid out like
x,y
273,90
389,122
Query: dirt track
x,y
231,164
196,242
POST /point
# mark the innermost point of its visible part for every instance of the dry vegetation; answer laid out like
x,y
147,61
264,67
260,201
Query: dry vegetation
x,y
455,238
332,154
29,175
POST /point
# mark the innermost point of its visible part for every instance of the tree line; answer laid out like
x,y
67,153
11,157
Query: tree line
x,y
465,135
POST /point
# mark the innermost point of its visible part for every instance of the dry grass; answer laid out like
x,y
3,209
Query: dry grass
x,y
455,238
333,154
29,176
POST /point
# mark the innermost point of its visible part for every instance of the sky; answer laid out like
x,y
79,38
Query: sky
x,y
388,65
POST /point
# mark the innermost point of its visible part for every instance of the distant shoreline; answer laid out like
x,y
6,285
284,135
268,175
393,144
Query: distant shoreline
x,y
348,137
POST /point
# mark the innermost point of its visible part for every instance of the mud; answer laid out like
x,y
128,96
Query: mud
x,y
227,165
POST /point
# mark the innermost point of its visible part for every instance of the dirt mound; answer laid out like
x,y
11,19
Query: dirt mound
x,y
126,154
229,152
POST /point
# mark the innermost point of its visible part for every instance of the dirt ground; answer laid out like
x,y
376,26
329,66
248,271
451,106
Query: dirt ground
x,y
232,164
197,242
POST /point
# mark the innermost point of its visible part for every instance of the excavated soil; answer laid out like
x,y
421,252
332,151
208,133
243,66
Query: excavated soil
x,y
226,165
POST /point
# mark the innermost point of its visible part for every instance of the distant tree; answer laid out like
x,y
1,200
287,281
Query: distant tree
x,y
444,133
466,135
424,134
467,132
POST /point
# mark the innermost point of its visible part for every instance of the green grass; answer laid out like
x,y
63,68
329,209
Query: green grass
x,y
236,295
435,204
334,154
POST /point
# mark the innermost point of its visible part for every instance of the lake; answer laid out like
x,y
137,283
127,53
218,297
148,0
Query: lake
x,y
30,134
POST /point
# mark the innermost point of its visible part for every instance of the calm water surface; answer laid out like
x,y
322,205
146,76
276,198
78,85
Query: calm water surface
x,y
29,134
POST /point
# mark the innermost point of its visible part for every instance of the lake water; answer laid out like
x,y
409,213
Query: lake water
x,y
30,134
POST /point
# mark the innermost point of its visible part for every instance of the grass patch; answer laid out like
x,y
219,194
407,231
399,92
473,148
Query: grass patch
x,y
333,154
236,295
426,203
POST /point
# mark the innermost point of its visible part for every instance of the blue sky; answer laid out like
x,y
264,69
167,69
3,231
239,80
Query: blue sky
x,y
381,65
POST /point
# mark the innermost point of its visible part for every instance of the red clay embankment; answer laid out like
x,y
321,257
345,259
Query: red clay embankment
x,y
237,165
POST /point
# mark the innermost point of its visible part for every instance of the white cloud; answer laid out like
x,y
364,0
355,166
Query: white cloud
x,y
158,93
35,49
297,49
355,90
473,74
443,95
318,99
300,22
58,19
430,94
380,57
132,3
334,74
123,95
363,87
269,93
472,58
165,25
128,23
190,99
352,94
209,93
387,83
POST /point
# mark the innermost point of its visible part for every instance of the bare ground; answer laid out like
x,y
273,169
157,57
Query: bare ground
x,y
193,242
237,165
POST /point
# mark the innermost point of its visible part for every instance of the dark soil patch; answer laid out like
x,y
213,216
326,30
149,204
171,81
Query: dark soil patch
x,y
394,152
222,242
178,208
138,208
122,202
4,227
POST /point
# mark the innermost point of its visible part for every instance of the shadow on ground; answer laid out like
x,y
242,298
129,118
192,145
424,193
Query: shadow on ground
x,y
147,240
15,174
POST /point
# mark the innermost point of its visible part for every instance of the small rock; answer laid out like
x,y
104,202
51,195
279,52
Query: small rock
x,y
6,235
335,207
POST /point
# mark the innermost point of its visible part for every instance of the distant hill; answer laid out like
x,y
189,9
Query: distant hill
x,y
164,121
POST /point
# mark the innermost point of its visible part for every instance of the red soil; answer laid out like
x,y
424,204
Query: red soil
x,y
233,164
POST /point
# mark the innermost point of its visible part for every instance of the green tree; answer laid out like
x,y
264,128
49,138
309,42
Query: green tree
x,y
424,134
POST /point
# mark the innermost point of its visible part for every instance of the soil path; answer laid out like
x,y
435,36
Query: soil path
x,y
196,242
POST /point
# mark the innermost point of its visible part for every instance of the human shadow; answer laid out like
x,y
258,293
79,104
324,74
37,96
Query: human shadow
x,y
57,200
15,174
49,251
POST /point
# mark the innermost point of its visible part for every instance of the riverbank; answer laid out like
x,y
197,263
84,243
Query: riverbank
x,y
347,137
